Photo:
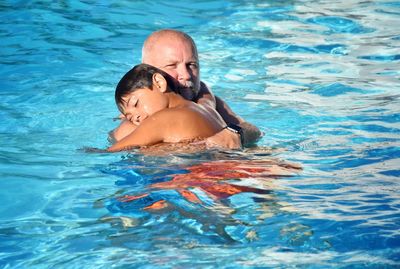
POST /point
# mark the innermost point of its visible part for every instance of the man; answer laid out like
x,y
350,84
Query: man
x,y
175,53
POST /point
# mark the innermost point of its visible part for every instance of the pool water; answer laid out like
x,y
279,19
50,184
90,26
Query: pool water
x,y
321,79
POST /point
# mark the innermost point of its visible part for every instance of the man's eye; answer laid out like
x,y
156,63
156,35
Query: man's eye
x,y
193,65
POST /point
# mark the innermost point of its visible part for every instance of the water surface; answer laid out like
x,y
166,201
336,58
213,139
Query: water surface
x,y
320,79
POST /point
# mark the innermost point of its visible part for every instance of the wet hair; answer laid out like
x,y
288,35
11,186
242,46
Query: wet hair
x,y
139,77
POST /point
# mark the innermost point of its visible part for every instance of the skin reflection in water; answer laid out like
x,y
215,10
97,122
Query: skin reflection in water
x,y
210,183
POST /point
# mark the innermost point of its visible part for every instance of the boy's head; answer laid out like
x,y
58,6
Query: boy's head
x,y
139,93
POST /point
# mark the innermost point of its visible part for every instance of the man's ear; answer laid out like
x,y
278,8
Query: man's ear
x,y
160,82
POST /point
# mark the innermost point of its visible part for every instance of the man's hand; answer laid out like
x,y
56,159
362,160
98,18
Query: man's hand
x,y
224,139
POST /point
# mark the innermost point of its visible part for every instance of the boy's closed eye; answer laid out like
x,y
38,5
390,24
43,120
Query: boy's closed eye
x,y
133,102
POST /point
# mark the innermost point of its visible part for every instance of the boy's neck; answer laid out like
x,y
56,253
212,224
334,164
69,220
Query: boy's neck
x,y
175,99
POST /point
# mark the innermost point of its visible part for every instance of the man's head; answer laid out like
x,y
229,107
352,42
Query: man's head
x,y
139,93
175,53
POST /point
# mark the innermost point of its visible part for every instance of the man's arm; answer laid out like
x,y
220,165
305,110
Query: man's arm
x,y
250,132
227,138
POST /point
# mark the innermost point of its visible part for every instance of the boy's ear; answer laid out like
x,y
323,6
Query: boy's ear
x,y
160,82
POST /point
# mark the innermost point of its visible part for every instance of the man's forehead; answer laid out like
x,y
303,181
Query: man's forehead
x,y
173,43
172,53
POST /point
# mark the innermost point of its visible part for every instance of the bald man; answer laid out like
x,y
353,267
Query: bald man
x,y
175,53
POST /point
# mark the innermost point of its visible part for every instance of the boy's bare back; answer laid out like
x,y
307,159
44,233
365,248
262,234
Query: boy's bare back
x,y
185,122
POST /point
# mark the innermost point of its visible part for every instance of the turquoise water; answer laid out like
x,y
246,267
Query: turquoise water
x,y
320,78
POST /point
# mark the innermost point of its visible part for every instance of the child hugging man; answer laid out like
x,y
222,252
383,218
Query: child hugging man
x,y
146,95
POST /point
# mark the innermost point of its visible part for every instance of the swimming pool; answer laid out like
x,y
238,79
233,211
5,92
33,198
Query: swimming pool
x,y
320,78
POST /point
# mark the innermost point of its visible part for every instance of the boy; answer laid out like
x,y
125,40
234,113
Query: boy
x,y
146,95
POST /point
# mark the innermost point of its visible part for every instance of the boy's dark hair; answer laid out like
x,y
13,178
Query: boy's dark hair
x,y
139,77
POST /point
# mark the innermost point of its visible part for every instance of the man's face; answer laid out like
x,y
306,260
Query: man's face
x,y
141,104
177,57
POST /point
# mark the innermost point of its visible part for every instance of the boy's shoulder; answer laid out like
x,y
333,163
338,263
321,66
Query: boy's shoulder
x,y
185,119
188,108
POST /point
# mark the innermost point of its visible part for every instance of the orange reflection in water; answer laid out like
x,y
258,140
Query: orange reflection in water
x,y
211,177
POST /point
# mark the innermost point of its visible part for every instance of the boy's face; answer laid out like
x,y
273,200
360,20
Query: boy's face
x,y
142,103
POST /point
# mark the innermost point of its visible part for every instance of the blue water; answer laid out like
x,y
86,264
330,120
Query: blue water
x,y
320,78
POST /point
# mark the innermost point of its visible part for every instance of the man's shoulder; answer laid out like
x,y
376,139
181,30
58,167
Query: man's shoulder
x,y
205,96
205,88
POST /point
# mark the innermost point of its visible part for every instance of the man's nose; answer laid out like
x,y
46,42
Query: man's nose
x,y
184,73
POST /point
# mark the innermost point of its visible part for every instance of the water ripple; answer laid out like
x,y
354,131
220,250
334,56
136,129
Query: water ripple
x,y
320,78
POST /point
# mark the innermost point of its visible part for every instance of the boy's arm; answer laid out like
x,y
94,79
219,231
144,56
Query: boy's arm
x,y
149,132
170,125
125,128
